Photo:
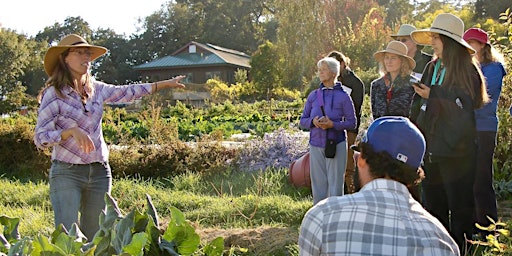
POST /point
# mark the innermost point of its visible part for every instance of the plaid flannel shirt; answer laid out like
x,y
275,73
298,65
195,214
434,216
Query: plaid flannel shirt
x,y
57,114
381,219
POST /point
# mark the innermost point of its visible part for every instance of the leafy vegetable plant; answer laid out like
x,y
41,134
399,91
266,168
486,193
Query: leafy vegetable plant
x,y
133,234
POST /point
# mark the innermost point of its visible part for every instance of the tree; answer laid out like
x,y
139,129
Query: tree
x,y
34,76
14,57
71,25
116,65
491,8
266,69
300,36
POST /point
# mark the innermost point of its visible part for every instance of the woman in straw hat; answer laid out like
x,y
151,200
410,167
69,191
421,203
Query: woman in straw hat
x,y
391,94
69,121
492,65
452,87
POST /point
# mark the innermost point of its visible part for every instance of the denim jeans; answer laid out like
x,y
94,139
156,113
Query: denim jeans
x,y
79,188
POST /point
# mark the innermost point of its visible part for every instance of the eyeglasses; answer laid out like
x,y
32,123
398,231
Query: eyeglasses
x,y
82,52
403,40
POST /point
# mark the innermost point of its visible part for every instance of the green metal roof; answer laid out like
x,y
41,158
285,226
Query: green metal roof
x,y
214,57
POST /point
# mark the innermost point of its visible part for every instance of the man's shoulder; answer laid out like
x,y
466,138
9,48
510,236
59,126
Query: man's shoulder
x,y
346,201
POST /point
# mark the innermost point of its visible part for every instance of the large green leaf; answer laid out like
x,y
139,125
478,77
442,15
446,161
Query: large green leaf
x,y
182,233
10,225
68,244
215,247
152,210
22,247
42,246
123,232
140,222
169,247
136,247
153,246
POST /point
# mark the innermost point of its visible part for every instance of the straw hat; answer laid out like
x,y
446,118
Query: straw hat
x,y
70,41
404,30
445,24
397,48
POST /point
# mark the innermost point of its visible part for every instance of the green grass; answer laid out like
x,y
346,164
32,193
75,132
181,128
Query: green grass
x,y
225,200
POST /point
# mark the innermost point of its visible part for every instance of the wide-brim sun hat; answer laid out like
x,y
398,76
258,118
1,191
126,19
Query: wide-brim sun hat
x,y
397,48
404,30
51,57
445,24
476,34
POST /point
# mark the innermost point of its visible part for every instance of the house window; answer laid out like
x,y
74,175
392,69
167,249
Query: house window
x,y
212,74
189,78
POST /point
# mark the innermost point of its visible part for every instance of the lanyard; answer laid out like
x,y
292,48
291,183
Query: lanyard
x,y
389,91
435,76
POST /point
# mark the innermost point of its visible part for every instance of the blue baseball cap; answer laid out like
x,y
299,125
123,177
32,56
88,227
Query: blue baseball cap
x,y
397,136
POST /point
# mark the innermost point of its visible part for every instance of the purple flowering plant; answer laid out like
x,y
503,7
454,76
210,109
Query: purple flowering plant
x,y
274,150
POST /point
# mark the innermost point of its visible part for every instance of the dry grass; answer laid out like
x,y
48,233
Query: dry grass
x,y
259,241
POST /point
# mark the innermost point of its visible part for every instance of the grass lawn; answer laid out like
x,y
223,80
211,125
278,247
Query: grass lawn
x,y
259,211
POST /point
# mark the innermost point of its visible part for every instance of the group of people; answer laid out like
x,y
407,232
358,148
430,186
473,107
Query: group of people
x,y
434,122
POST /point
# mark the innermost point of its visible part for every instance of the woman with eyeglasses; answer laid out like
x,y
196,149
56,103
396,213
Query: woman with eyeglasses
x,y
413,50
69,121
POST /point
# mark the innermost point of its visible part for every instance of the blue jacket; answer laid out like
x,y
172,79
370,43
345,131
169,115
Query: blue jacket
x,y
338,107
486,118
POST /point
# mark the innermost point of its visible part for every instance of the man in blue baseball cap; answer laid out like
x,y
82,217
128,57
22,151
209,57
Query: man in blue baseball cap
x,y
382,218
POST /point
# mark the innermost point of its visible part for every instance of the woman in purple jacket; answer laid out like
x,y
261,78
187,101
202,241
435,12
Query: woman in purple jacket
x,y
328,112
491,63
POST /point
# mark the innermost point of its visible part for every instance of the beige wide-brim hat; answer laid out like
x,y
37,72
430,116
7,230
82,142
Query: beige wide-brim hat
x,y
70,41
445,24
397,48
404,30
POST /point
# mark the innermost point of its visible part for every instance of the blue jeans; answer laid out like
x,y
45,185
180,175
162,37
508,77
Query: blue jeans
x,y
80,188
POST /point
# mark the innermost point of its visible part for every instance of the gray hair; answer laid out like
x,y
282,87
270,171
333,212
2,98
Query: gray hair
x,y
332,63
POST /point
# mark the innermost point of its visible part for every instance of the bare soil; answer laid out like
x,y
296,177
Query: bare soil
x,y
258,241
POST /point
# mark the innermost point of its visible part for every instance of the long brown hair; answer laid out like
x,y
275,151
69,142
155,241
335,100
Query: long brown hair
x,y
490,54
461,69
62,77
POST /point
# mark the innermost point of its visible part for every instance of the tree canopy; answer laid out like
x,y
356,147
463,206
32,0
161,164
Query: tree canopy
x,y
297,32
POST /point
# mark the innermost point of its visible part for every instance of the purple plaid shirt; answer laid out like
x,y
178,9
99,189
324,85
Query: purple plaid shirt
x,y
57,114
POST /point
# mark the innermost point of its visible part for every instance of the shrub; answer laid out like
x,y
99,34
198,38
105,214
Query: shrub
x,y
169,159
274,150
20,155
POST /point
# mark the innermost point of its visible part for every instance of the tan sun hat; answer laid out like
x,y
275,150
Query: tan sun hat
x,y
70,41
397,48
404,30
445,24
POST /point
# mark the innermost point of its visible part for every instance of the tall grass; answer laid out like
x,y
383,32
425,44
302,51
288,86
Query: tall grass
x,y
224,200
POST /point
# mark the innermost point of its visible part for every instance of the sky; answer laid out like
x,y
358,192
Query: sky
x,y
31,16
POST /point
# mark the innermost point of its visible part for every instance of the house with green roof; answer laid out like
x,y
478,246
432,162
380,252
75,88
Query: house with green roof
x,y
198,62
